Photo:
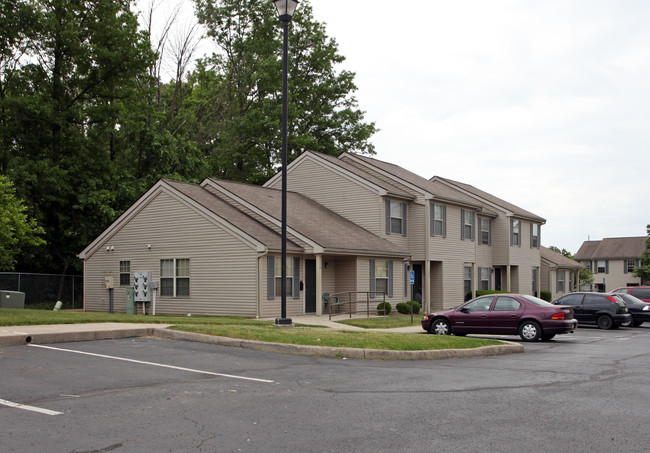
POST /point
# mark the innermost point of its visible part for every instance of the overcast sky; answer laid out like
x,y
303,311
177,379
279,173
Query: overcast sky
x,y
543,103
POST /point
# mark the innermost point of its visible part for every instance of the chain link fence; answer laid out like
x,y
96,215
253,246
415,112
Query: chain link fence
x,y
42,291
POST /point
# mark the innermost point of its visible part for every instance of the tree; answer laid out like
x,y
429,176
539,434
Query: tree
x,y
240,133
73,69
643,271
18,232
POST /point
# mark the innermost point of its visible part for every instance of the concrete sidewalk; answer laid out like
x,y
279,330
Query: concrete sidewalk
x,y
63,333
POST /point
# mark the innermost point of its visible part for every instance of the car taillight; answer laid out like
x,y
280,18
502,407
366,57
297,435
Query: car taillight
x,y
558,315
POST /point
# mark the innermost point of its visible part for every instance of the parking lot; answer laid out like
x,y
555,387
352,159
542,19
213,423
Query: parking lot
x,y
581,392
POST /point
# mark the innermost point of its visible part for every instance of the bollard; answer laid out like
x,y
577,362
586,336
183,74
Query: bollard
x,y
58,306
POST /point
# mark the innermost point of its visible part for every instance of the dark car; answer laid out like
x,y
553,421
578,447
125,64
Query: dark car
x,y
640,292
639,310
607,311
503,314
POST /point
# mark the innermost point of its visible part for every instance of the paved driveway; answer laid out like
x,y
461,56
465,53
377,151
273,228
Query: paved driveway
x,y
581,393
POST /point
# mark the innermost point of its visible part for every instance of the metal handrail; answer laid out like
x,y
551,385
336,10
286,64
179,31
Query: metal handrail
x,y
357,301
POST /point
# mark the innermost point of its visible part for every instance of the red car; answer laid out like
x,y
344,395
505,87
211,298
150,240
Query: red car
x,y
640,292
503,314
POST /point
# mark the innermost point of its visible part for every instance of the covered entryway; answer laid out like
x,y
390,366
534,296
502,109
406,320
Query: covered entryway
x,y
310,286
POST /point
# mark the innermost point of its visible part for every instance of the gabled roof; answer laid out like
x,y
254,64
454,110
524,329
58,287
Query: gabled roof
x,y
311,220
555,260
612,248
430,189
515,211
260,225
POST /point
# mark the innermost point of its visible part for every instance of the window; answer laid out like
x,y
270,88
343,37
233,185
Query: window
x,y
278,277
125,273
381,278
560,281
629,266
535,281
395,217
467,221
534,236
505,303
486,231
480,304
484,278
467,279
175,277
439,220
515,232
601,267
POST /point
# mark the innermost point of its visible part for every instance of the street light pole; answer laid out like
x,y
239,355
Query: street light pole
x,y
285,9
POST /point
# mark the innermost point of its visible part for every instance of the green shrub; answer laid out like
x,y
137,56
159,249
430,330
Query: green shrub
x,y
405,308
546,295
384,308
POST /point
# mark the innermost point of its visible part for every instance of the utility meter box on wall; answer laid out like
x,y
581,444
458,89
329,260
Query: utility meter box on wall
x,y
142,286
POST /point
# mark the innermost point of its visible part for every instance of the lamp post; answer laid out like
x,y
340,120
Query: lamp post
x,y
285,9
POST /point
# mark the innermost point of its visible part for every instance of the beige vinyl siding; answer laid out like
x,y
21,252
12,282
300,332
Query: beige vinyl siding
x,y
524,258
363,281
351,199
417,229
501,240
616,277
223,268
272,308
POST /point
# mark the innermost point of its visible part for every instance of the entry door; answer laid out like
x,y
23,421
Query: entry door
x,y
417,286
310,286
497,279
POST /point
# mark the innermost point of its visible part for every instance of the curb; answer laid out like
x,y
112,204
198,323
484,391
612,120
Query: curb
x,y
23,338
348,353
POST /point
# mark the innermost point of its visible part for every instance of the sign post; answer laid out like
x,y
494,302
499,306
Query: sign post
x,y
412,281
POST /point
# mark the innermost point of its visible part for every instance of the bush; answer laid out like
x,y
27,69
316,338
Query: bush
x,y
405,308
546,295
384,308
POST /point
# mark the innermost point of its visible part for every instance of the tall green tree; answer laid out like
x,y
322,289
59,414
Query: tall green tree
x,y
643,271
240,127
61,108
18,232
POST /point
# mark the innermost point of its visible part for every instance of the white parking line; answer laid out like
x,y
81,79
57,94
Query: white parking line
x,y
162,365
29,408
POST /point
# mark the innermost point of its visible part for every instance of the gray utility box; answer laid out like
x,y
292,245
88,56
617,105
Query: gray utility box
x,y
12,299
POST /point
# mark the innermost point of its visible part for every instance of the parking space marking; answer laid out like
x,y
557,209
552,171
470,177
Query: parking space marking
x,y
29,408
162,365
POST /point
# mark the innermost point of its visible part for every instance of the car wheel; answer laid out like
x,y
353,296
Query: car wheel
x,y
605,322
440,327
629,323
548,337
637,323
530,331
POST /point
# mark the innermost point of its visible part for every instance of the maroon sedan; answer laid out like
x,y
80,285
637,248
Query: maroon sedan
x,y
504,314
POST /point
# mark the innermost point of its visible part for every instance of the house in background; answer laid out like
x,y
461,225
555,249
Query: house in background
x,y
559,273
355,225
612,261
460,238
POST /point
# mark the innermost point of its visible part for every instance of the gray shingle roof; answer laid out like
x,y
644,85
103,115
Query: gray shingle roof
x,y
612,248
557,260
331,231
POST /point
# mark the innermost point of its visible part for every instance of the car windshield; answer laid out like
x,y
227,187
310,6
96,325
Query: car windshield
x,y
537,301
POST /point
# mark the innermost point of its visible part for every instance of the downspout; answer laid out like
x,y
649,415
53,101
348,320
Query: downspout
x,y
258,315
319,284
426,292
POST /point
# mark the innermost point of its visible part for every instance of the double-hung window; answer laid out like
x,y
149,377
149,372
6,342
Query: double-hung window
x,y
467,224
381,278
486,231
125,273
395,217
602,267
438,220
534,236
515,232
467,279
629,266
484,278
278,278
175,277
274,274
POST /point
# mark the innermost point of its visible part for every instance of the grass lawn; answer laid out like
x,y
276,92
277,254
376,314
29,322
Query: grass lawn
x,y
252,329
384,322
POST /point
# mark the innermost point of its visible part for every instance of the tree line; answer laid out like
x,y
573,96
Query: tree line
x,y
88,123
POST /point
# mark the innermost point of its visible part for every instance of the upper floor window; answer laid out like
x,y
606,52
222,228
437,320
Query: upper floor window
x,y
629,266
395,217
438,220
125,273
175,277
534,236
602,267
486,231
467,224
515,232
